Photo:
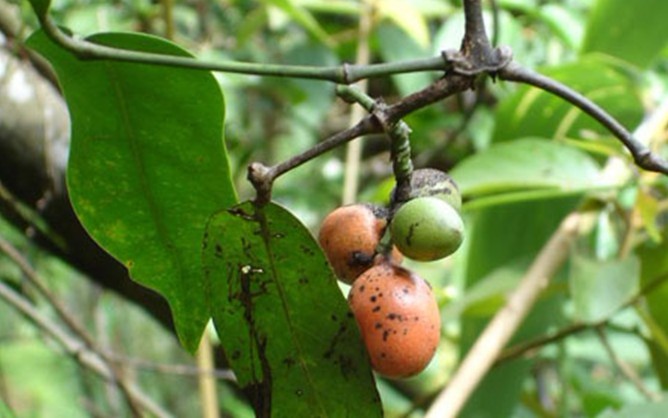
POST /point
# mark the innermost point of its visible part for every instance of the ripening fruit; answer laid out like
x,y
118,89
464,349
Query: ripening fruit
x,y
436,183
349,236
398,318
427,229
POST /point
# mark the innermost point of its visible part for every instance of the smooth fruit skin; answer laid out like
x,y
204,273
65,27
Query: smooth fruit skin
x,y
431,182
398,318
349,236
427,229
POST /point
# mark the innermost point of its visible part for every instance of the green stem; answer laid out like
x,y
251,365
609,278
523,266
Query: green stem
x,y
402,166
343,74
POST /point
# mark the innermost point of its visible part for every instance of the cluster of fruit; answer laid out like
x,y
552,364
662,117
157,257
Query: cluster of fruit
x,y
395,309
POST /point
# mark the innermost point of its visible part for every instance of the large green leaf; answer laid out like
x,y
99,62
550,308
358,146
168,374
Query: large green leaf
x,y
286,329
533,112
526,165
632,30
147,166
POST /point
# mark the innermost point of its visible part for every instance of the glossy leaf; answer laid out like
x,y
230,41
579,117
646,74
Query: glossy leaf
x,y
599,288
286,328
630,30
534,112
147,166
525,164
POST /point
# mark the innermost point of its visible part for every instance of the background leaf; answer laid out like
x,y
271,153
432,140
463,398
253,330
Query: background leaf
x,y
286,329
525,164
599,288
613,28
645,410
147,166
534,112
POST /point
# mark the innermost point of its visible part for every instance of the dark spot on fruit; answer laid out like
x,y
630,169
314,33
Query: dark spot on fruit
x,y
392,316
373,298
361,289
376,309
405,331
378,325
383,355
405,290
386,334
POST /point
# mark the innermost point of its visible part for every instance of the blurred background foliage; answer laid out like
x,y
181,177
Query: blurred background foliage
x,y
522,158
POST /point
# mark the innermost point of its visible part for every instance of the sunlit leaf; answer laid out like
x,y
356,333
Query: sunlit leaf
x,y
147,166
286,328
407,17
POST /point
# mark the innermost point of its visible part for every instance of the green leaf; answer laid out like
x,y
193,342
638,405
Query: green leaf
x,y
394,46
526,164
41,7
303,17
408,17
631,30
533,112
147,166
654,267
287,331
599,288
645,410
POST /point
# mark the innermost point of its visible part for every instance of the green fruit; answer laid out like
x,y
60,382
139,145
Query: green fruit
x,y
427,229
431,182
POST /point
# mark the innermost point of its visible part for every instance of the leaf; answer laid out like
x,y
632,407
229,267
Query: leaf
x,y
394,46
633,31
287,330
533,112
525,164
147,166
599,288
41,7
406,16
644,410
654,267
302,16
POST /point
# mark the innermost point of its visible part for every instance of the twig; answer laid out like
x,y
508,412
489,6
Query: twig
x,y
642,155
521,349
625,369
76,348
504,324
342,74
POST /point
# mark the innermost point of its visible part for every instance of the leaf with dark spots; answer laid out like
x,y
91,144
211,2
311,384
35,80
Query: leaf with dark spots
x,y
293,335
